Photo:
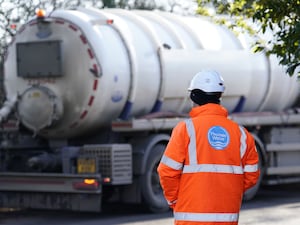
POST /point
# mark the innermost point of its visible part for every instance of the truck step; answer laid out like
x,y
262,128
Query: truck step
x,y
283,170
275,147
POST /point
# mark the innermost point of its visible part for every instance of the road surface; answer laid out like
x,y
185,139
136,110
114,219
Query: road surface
x,y
275,205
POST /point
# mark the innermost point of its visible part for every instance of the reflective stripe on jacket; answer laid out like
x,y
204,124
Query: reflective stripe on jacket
x,y
210,161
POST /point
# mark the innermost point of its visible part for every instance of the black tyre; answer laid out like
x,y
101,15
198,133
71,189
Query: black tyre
x,y
151,190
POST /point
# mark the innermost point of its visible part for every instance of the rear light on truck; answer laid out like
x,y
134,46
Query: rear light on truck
x,y
106,180
86,184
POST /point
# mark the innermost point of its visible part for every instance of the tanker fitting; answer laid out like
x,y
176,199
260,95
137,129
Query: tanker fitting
x,y
46,162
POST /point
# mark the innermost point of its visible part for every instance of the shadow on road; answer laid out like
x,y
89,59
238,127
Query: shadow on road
x,y
114,214
274,196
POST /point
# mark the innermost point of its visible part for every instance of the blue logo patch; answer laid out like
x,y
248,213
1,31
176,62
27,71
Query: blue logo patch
x,y
218,137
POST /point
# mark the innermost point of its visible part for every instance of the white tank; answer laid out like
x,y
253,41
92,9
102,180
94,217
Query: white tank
x,y
78,70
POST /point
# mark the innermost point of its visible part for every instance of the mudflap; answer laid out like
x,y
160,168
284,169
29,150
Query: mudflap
x,y
82,202
75,192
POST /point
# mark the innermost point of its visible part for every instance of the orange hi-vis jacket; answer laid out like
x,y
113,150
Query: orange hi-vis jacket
x,y
209,162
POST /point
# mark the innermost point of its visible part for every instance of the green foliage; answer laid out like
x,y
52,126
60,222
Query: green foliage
x,y
280,17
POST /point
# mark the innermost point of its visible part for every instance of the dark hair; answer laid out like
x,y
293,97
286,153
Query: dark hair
x,y
200,97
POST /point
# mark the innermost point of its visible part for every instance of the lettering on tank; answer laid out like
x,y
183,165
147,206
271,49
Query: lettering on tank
x,y
218,137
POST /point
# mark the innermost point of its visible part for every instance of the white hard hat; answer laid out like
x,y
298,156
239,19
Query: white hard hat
x,y
207,81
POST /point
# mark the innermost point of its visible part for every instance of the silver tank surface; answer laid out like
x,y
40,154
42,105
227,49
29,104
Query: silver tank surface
x,y
77,70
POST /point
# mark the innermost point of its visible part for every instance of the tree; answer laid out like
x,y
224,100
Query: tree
x,y
281,17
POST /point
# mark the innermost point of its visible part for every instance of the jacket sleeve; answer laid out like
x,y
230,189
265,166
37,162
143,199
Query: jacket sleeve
x,y
171,164
250,163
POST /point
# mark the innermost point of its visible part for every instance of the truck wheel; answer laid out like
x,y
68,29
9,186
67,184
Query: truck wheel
x,y
151,190
250,193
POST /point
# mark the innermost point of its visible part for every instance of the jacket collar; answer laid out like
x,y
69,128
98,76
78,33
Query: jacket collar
x,y
208,109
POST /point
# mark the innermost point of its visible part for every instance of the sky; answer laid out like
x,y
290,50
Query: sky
x,y
186,7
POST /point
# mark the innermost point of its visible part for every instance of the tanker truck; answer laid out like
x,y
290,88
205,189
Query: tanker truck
x,y
91,97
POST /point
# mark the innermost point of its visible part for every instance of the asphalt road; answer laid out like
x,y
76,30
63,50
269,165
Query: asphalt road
x,y
277,205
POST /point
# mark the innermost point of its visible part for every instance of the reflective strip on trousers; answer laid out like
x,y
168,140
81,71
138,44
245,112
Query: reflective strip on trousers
x,y
206,217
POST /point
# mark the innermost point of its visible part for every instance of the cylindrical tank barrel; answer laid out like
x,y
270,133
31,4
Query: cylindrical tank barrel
x,y
122,64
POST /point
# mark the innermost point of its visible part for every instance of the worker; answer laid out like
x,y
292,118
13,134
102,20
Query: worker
x,y
210,161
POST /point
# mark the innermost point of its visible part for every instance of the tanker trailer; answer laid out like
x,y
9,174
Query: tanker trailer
x,y
92,96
